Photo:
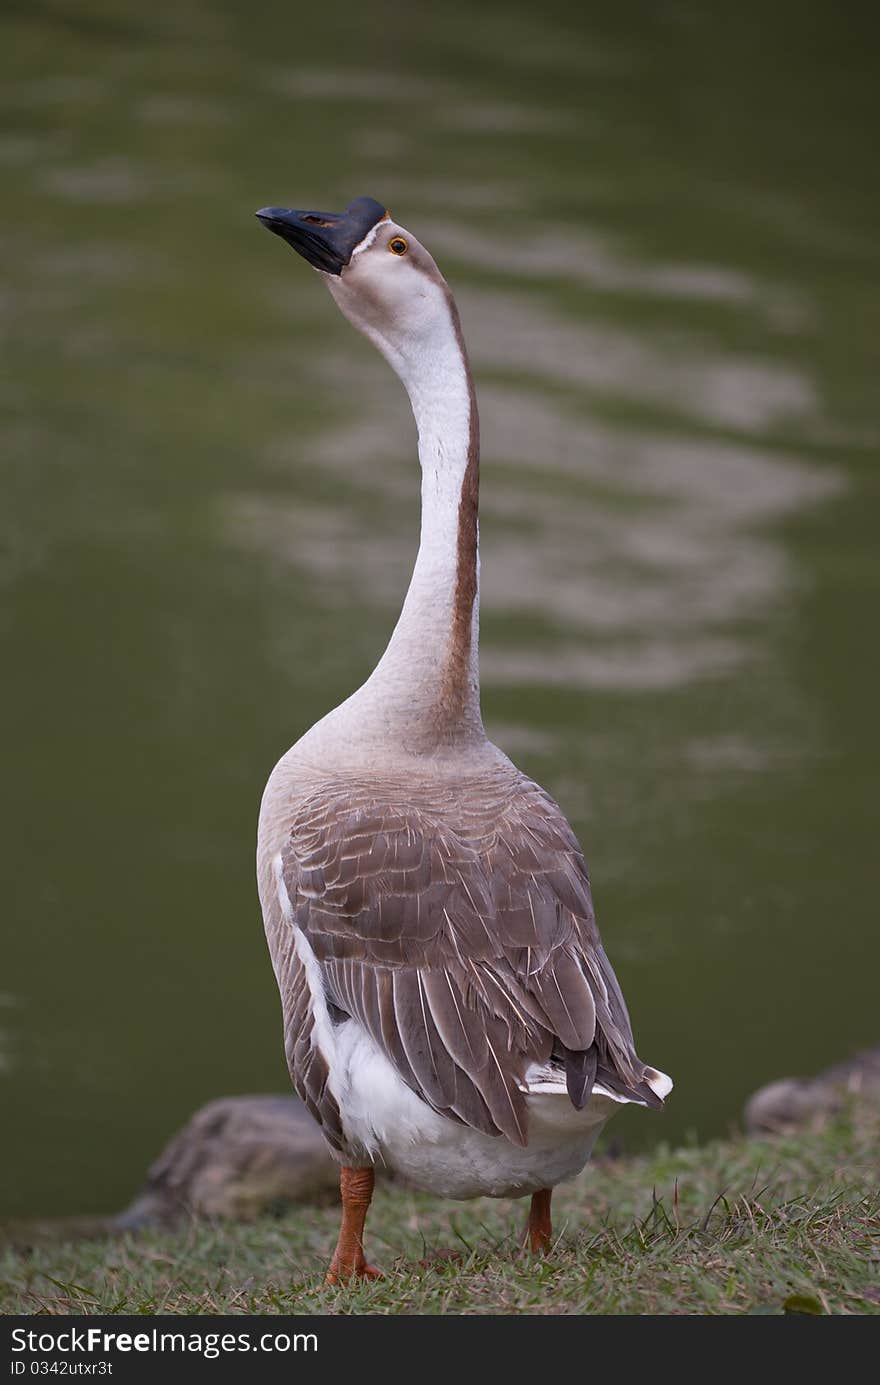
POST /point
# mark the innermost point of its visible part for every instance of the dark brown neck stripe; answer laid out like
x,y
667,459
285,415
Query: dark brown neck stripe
x,y
457,680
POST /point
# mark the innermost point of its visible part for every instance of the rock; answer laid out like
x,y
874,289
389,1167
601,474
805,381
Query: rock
x,y
237,1157
796,1101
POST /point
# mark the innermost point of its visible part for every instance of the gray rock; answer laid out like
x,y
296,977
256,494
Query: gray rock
x,y
237,1157
797,1101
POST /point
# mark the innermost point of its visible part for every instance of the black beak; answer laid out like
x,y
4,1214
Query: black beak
x,y
325,239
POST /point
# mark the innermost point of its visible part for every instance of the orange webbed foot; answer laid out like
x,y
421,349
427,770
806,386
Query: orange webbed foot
x,y
345,1272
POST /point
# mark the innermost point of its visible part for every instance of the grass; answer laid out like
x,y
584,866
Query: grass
x,y
771,1225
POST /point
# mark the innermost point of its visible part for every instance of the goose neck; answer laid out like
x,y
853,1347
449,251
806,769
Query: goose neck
x,y
428,678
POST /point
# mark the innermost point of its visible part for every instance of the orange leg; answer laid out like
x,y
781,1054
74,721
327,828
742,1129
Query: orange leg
x,y
349,1261
539,1230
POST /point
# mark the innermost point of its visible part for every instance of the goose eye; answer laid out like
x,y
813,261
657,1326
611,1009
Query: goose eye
x,y
397,246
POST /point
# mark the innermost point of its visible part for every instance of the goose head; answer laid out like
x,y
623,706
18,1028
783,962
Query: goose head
x,y
382,278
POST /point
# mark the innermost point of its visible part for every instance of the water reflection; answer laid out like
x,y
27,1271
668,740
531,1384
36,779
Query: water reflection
x,y
641,555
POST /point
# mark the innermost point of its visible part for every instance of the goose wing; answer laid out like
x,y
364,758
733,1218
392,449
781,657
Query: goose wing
x,y
461,936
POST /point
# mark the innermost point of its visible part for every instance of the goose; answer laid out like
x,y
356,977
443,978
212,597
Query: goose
x,y
449,1013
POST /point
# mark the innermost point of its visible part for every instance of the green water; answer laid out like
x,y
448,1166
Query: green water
x,y
661,223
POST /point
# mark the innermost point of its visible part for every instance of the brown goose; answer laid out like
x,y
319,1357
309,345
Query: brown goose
x,y
449,1011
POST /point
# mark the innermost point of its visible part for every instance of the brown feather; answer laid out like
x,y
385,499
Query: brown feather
x,y
455,923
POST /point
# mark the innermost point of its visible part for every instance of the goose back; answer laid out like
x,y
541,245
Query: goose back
x,y
452,918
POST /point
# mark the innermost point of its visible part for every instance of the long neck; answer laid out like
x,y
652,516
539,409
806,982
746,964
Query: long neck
x,y
425,689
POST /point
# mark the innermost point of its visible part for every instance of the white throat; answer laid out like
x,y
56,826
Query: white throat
x,y
424,692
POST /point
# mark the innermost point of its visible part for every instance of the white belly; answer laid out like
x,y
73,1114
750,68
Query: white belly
x,y
380,1112
397,1129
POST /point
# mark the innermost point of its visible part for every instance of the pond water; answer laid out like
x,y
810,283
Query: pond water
x,y
661,224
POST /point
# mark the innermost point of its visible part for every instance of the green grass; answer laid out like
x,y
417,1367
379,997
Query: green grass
x,y
739,1226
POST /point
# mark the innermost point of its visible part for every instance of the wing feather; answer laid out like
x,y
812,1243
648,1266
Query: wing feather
x,y
457,927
